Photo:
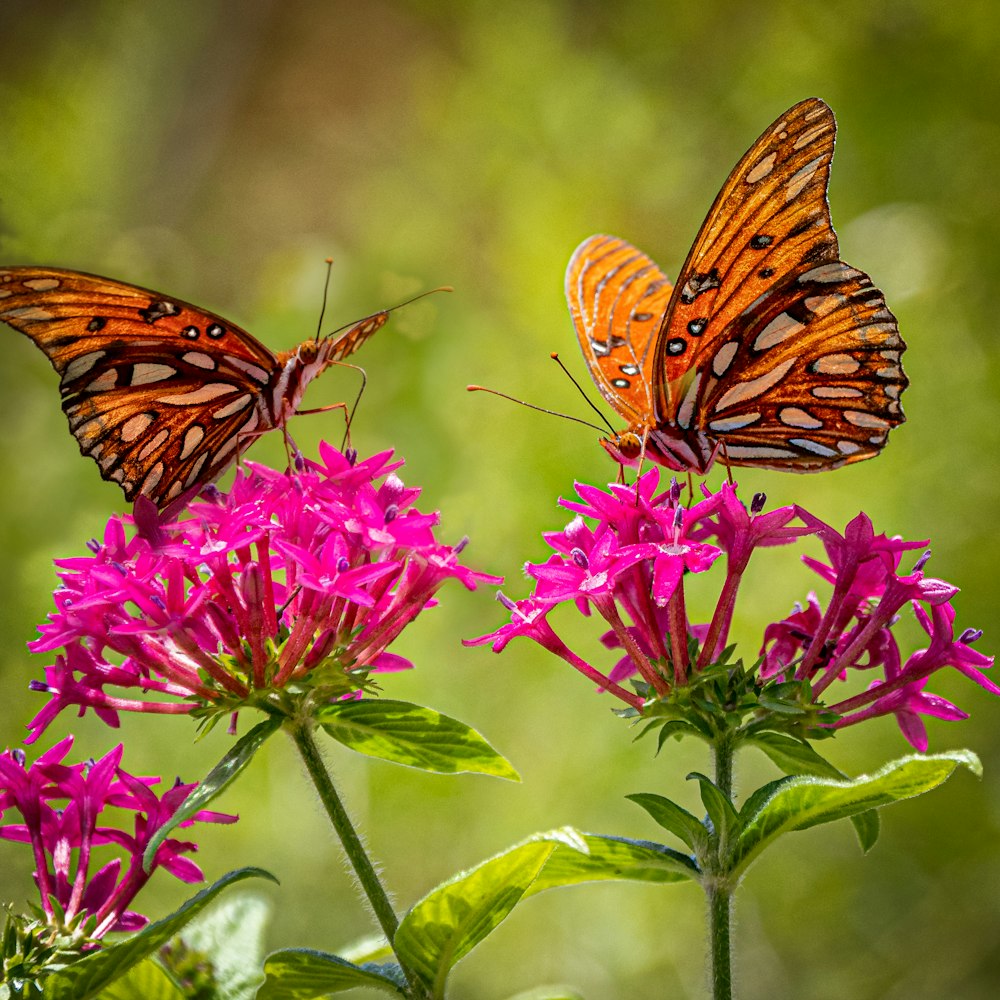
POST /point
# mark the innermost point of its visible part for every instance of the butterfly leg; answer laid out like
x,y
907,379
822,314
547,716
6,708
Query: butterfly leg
x,y
725,462
639,464
348,411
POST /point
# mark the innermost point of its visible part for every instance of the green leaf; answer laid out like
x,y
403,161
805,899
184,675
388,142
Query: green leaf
x,y
145,981
230,934
215,782
301,974
720,810
412,735
801,802
454,917
795,756
867,826
676,820
86,978
606,858
373,949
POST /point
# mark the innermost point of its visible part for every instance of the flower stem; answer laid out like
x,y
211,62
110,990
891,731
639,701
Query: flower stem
x,y
374,891
719,887
720,915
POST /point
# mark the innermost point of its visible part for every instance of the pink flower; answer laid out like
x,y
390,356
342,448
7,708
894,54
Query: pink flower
x,y
303,578
71,815
627,555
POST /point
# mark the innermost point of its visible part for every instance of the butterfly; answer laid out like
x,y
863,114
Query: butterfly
x,y
770,351
163,395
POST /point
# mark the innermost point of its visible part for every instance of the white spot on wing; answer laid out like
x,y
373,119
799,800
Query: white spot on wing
x,y
814,446
780,328
733,423
153,477
848,447
836,392
241,402
199,464
762,169
793,416
752,388
154,443
134,426
199,360
685,412
724,358
146,372
801,178
836,364
861,419
27,312
203,394
255,372
192,438
81,365
809,136
42,284
103,382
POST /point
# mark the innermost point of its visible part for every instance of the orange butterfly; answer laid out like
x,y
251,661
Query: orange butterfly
x,y
770,351
160,393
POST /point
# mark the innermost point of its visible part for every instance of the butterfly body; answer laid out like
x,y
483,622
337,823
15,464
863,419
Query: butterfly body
x,y
769,351
162,394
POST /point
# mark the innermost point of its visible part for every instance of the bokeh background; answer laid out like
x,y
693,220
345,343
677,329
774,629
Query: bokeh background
x,y
218,151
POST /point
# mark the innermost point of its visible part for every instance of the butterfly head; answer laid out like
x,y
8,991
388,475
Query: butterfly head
x,y
625,448
665,445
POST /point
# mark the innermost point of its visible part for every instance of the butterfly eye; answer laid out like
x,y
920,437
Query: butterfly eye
x,y
308,352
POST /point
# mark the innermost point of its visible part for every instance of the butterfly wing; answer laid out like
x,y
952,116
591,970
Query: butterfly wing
x,y
617,297
157,391
819,375
765,317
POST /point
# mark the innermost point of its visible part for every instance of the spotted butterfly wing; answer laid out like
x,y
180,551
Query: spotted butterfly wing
x,y
160,393
770,349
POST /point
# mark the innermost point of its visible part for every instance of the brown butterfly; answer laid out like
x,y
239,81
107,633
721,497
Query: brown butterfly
x,y
770,351
162,394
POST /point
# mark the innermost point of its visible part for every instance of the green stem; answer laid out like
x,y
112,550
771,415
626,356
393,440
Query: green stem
x,y
720,915
374,891
724,749
719,887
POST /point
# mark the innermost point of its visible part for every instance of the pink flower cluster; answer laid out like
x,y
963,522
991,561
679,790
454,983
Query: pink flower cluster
x,y
628,560
64,817
291,580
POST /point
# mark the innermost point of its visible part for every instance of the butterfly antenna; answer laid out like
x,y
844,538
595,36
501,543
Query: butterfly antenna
x,y
326,293
555,357
531,406
421,295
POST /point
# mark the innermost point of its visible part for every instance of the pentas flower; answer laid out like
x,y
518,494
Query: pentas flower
x,y
626,555
289,585
72,816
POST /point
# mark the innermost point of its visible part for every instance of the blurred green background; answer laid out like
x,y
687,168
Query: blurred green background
x,y
218,151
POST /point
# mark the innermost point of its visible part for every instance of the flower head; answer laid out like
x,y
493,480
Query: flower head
x,y
290,582
626,556
71,815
